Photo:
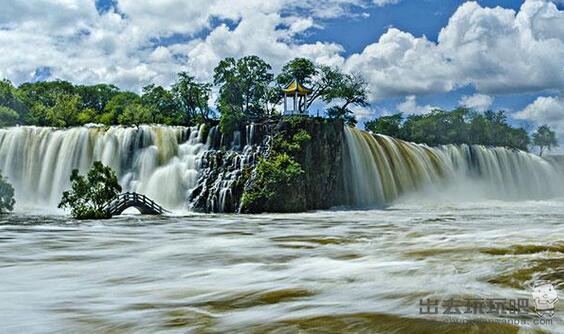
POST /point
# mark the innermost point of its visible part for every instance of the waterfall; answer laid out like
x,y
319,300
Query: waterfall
x,y
186,167
158,161
379,169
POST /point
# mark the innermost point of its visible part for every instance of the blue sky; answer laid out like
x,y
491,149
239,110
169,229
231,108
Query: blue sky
x,y
416,55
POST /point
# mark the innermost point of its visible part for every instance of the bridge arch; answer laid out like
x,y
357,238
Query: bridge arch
x,y
144,204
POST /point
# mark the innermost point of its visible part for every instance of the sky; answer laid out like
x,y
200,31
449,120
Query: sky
x,y
416,55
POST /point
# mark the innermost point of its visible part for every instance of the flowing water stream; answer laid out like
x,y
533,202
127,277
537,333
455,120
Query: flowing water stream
x,y
341,272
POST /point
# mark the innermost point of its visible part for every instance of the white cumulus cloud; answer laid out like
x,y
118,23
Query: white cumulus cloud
x,y
545,110
410,107
496,50
480,102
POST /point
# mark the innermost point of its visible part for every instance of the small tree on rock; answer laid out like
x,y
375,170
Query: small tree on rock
x,y
7,200
90,193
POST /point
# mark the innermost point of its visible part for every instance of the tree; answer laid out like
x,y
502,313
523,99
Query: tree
x,y
386,125
243,86
8,117
192,98
7,200
90,193
544,138
302,69
161,104
65,111
96,97
136,114
346,115
44,92
116,107
9,99
351,89
459,126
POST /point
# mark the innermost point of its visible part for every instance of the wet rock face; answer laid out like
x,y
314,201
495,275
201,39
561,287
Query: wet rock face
x,y
221,184
226,174
321,158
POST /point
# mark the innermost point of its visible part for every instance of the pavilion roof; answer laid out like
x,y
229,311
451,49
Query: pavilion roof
x,y
296,86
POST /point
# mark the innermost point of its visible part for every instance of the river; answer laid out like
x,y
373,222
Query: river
x,y
330,271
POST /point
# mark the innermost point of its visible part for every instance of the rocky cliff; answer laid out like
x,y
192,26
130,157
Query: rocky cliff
x,y
289,165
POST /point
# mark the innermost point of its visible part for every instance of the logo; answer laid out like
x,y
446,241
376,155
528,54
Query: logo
x,y
545,297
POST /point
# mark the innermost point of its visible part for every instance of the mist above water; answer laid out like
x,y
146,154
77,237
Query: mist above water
x,y
380,169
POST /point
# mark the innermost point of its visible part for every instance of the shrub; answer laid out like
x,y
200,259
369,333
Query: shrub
x,y
90,193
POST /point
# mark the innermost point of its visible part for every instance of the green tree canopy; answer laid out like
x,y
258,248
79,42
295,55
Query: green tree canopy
x,y
9,98
302,69
459,126
243,87
116,107
321,79
388,125
160,103
350,90
192,98
90,193
8,117
136,114
96,97
544,138
65,110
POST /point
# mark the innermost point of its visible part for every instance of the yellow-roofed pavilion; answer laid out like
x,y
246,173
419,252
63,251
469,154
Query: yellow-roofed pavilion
x,y
298,93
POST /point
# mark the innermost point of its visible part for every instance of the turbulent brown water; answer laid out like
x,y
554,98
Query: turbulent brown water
x,y
331,272
461,222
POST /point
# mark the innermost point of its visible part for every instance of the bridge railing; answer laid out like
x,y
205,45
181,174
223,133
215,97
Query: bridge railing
x,y
133,198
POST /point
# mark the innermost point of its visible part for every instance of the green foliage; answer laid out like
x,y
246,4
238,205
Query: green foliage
x,y
160,104
9,98
247,92
8,117
116,107
388,125
65,110
302,69
276,176
342,113
96,97
7,200
192,98
347,90
292,145
460,126
329,84
544,138
90,193
243,87
136,114
86,116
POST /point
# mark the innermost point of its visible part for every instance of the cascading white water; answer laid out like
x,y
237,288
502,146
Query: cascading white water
x,y
161,162
379,169
164,163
